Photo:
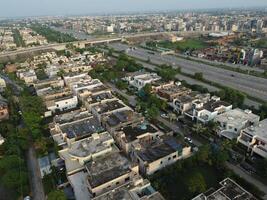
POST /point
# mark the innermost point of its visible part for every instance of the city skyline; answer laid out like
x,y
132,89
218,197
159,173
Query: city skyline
x,y
83,7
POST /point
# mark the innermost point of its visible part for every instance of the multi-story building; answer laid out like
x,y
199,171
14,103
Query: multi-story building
x,y
131,136
74,126
160,153
233,121
183,103
139,81
138,189
121,118
171,90
60,104
109,172
255,138
78,153
205,112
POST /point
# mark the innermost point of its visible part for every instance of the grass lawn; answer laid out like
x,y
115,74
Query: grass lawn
x,y
172,182
183,45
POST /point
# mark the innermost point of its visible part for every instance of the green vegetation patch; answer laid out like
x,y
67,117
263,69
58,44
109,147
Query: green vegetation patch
x,y
52,35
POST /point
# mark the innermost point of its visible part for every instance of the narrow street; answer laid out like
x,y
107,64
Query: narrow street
x,y
35,179
35,175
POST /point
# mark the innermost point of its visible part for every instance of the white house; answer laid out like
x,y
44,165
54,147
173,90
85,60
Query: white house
x,y
255,138
62,104
205,112
233,121
139,81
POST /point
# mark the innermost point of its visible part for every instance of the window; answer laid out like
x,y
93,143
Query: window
x,y
161,162
169,158
117,183
127,179
174,156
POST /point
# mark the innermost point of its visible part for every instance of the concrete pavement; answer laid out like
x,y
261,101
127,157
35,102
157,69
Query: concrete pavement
x,y
35,175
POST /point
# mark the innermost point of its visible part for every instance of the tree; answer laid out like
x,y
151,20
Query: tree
x,y
198,128
198,76
10,162
196,183
56,195
153,112
204,153
263,109
168,73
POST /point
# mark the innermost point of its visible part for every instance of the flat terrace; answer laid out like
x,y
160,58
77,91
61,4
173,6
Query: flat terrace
x,y
94,144
100,97
71,116
160,150
212,105
121,117
107,168
82,128
130,191
108,106
132,132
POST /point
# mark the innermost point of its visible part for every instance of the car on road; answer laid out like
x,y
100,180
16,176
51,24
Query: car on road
x,y
188,139
164,115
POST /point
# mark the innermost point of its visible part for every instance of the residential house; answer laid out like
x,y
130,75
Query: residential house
x,y
205,112
138,189
139,81
109,172
233,121
255,138
159,154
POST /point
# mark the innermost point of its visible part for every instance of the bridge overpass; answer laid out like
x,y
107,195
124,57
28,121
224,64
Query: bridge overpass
x,y
13,55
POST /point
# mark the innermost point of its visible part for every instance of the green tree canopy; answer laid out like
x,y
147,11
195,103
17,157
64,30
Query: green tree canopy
x,y
56,195
196,183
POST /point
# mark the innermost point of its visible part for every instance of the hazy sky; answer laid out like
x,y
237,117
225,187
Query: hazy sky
x,y
14,8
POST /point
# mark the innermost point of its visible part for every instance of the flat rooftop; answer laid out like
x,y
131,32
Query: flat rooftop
x,y
132,191
148,76
132,132
108,106
100,97
160,150
237,116
94,144
174,89
213,105
86,83
71,116
107,168
122,116
260,130
229,190
82,128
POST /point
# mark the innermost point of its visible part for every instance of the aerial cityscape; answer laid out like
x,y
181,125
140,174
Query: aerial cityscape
x,y
133,100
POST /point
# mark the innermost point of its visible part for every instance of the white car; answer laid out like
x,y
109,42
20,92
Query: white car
x,y
164,116
188,139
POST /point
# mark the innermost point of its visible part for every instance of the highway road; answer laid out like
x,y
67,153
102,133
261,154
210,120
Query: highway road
x,y
251,85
